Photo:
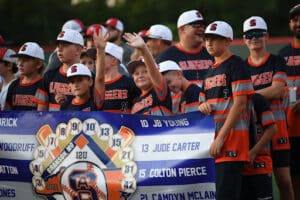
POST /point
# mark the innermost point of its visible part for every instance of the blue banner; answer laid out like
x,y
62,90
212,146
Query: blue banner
x,y
100,155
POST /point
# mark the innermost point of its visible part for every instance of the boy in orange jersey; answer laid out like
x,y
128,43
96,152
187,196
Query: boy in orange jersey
x,y
21,92
55,88
257,175
185,92
155,98
226,91
268,77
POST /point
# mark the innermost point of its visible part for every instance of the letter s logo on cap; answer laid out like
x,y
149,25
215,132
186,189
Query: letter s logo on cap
x,y
213,27
253,22
74,69
23,48
62,34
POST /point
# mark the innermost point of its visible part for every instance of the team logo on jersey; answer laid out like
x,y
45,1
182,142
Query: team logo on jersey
x,y
82,160
253,22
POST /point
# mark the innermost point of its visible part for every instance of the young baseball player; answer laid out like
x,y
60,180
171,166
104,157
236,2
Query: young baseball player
x,y
226,94
120,90
88,58
188,93
291,54
8,68
155,98
257,175
81,80
55,88
21,92
268,77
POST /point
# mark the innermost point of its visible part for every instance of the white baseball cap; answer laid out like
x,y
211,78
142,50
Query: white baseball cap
x,y
31,49
253,23
74,24
5,55
168,65
115,23
78,69
219,28
159,31
72,36
189,17
114,50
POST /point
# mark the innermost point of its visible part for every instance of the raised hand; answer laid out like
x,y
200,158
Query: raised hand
x,y
134,40
99,40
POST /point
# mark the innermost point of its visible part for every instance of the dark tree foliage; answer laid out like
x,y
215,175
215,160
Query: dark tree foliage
x,y
41,20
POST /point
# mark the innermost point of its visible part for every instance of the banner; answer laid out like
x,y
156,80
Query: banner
x,y
99,155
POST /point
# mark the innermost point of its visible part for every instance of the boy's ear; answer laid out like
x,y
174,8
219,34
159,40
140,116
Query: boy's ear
x,y
91,82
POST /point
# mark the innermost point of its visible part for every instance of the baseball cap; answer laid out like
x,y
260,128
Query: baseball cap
x,y
115,23
5,55
114,50
168,65
74,24
133,64
95,27
189,17
254,23
294,11
72,36
78,69
159,31
143,33
31,49
219,28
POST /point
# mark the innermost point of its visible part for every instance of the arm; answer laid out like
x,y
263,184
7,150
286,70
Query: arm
x,y
239,104
275,91
99,86
269,131
137,42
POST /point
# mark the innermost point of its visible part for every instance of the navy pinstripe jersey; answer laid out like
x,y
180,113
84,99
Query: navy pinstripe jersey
x,y
20,96
193,64
262,117
189,101
272,69
54,81
80,106
224,81
157,101
291,54
120,94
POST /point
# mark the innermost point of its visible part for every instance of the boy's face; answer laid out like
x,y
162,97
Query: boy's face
x,y
173,80
141,78
28,66
80,85
294,25
216,45
89,62
255,40
68,52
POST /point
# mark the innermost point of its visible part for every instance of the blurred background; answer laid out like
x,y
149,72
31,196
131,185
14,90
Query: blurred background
x,y
41,20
